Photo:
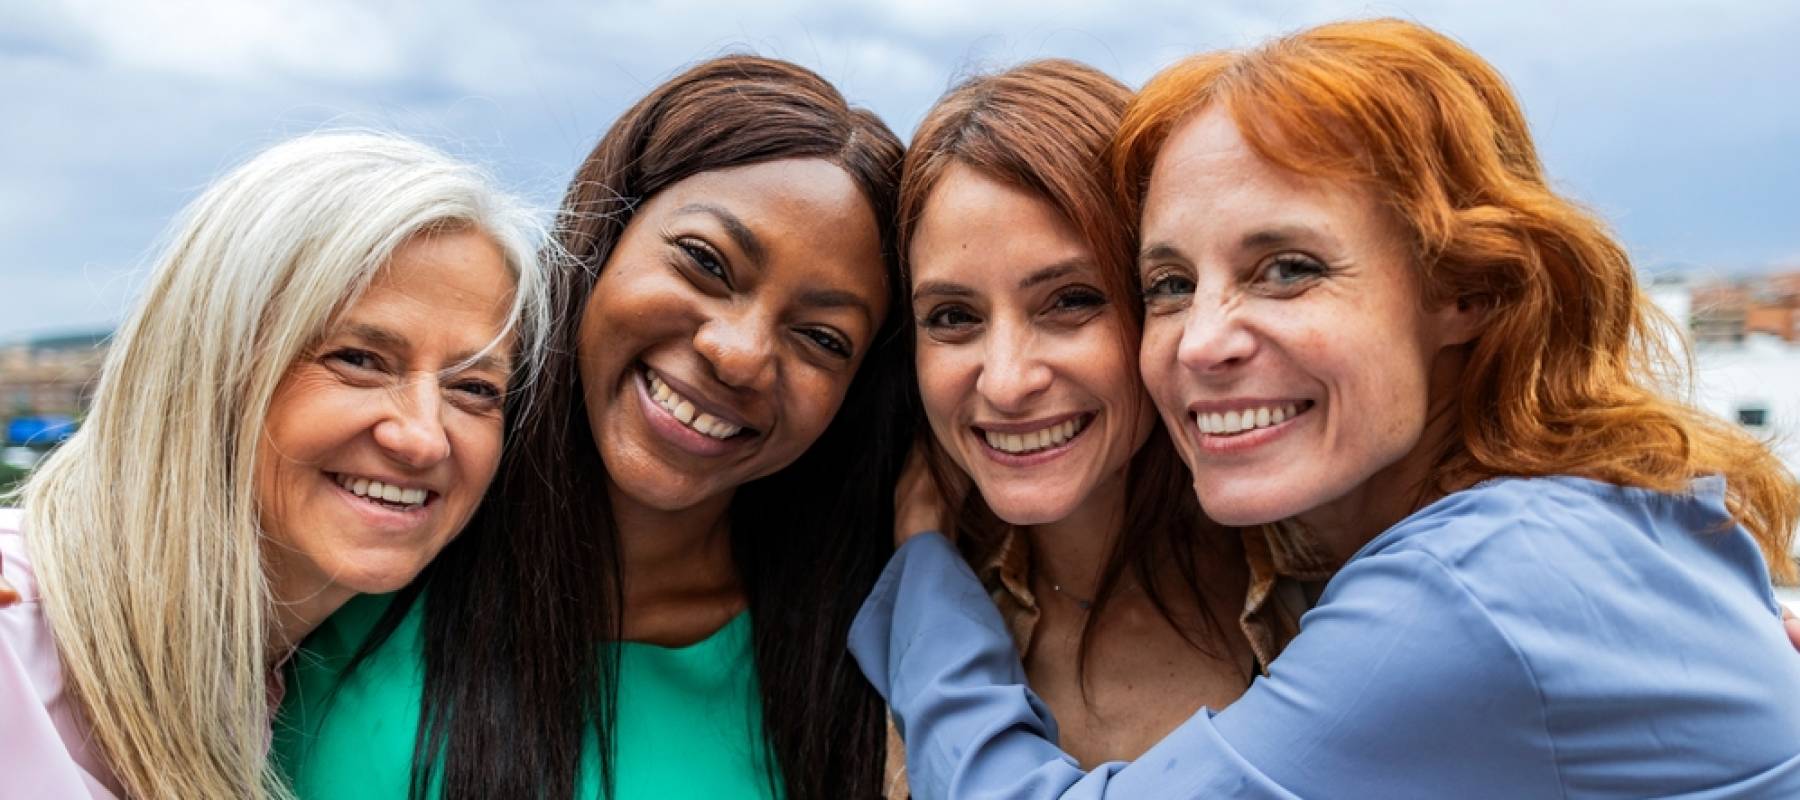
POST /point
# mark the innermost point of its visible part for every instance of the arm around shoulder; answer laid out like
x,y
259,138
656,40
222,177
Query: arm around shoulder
x,y
1399,665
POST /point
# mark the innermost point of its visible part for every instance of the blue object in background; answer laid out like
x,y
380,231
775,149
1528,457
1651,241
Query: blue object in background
x,y
39,431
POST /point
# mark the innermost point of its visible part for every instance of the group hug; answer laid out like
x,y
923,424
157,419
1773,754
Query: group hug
x,y
1276,430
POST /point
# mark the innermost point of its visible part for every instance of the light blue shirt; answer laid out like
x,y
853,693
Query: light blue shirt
x,y
1525,638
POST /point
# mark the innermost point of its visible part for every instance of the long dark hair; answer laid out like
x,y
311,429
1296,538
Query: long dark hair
x,y
522,606
1044,127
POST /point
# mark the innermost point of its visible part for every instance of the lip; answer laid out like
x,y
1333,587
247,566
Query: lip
x,y
1240,443
682,437
1038,457
697,397
382,518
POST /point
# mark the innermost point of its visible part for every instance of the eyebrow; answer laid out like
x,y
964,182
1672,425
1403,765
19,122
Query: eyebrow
x,y
1052,272
735,228
1161,251
836,298
1261,239
1042,276
1278,236
386,339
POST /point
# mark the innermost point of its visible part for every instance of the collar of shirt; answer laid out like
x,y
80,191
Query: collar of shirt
x,y
1287,567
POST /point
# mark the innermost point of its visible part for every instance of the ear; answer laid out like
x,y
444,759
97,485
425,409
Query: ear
x,y
1460,322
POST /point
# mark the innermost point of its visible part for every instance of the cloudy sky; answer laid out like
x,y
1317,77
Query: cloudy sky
x,y
1676,120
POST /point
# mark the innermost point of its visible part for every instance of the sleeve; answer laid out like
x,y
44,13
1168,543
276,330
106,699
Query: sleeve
x,y
35,760
1400,685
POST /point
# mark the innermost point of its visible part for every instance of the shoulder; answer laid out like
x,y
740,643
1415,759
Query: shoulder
x,y
1574,525
1581,576
15,559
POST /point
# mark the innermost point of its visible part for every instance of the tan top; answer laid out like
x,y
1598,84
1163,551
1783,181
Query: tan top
x,y
1288,568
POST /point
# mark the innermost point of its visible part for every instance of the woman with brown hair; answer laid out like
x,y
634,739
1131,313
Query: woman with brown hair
x,y
1368,313
651,602
1068,497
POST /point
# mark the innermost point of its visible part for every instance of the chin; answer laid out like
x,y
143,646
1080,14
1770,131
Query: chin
x,y
1241,506
374,574
1029,508
664,493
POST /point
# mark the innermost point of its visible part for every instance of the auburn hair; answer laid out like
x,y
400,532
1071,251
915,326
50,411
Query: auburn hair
x,y
1571,373
1044,127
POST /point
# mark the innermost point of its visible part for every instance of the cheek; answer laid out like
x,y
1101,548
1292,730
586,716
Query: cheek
x,y
479,452
814,399
1157,365
946,379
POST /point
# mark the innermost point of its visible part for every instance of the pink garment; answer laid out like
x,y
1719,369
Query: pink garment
x,y
44,750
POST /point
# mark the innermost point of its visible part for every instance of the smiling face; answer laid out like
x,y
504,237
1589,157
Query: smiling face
x,y
1285,344
1022,366
726,326
381,440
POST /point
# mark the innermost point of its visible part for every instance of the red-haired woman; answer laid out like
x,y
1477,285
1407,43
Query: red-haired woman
x,y
1368,314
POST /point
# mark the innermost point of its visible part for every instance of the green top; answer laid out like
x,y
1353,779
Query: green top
x,y
689,718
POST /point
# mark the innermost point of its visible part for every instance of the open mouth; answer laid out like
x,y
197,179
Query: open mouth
x,y
1242,421
688,413
1046,438
385,495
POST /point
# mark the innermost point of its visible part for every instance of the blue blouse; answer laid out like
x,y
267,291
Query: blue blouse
x,y
1546,637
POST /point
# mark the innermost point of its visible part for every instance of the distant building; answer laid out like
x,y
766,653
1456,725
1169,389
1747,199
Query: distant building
x,y
1728,312
1717,313
51,375
1774,307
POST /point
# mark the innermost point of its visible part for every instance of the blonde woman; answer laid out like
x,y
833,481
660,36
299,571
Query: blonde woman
x,y
306,404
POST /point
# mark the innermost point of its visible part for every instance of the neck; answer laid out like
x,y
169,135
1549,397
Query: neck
x,y
673,558
1072,552
1346,524
300,607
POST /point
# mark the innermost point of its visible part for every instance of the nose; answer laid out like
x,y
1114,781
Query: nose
x,y
1012,374
411,430
1213,339
740,348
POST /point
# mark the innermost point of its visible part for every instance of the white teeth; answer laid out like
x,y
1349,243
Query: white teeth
x,y
1249,419
1043,438
376,490
684,410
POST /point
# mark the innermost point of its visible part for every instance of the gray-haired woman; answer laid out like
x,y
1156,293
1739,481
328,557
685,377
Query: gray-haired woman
x,y
305,404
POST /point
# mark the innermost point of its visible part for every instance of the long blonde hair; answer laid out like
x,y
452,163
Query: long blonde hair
x,y
1569,375
143,528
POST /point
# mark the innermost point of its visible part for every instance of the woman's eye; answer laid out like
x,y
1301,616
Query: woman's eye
x,y
1078,299
949,316
1290,269
703,259
481,389
354,358
1168,287
828,341
479,393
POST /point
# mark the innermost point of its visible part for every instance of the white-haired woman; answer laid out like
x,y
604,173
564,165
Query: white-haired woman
x,y
305,404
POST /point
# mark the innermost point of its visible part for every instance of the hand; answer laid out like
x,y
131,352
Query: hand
x,y
918,504
7,595
1792,622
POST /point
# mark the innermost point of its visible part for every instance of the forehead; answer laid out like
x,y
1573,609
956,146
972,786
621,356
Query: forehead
x,y
453,284
975,227
1207,179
